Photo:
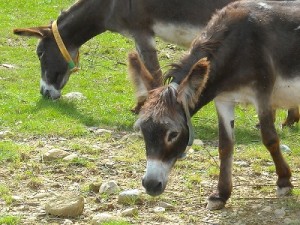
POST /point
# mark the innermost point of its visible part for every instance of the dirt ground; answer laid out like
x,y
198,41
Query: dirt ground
x,y
119,156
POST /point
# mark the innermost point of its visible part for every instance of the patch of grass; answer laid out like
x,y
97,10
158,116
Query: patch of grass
x,y
5,194
9,220
79,162
116,222
9,152
296,192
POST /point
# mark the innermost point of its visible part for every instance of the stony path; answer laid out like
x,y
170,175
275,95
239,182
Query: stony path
x,y
56,171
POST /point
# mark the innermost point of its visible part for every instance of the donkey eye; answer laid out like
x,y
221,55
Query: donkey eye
x,y
40,55
172,136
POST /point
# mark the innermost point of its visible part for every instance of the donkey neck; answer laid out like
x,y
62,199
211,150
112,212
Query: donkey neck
x,y
84,20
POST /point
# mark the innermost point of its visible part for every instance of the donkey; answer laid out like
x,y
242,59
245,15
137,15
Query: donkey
x,y
248,53
175,21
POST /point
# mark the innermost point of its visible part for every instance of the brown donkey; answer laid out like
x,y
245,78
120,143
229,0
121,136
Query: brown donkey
x,y
248,53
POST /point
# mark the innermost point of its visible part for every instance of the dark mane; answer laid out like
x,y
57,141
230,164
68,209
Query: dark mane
x,y
161,103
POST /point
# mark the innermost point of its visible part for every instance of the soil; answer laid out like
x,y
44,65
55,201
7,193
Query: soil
x,y
120,157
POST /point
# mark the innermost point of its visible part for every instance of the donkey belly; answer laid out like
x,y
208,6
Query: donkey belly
x,y
286,93
177,33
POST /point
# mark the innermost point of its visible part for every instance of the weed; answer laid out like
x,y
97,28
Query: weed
x,y
9,220
5,194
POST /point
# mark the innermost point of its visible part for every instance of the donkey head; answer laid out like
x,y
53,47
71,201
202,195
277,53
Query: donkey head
x,y
164,119
54,68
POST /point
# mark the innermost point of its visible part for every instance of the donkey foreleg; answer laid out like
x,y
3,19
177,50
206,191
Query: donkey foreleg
x,y
225,111
145,46
271,141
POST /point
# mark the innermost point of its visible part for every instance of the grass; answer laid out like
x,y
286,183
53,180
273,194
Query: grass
x,y
26,116
9,220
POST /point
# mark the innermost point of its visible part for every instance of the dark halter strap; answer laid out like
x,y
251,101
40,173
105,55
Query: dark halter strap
x,y
187,115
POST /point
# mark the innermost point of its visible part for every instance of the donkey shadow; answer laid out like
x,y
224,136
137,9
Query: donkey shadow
x,y
66,107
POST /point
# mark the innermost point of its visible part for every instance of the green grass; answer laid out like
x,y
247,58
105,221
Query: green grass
x,y
110,96
5,194
9,220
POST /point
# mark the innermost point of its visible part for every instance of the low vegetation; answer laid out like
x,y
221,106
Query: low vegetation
x,y
31,125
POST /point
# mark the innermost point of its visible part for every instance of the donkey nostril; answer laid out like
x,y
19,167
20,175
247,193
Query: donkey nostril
x,y
159,186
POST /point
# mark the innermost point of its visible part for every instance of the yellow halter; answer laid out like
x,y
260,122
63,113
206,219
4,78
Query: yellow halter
x,y
73,66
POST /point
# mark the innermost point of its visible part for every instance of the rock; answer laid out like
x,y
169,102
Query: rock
x,y
5,134
191,151
109,187
159,209
165,205
67,222
280,213
54,154
102,218
198,142
70,157
94,187
41,195
288,221
98,130
74,96
65,206
132,137
102,131
130,212
267,209
285,148
17,198
242,163
7,66
130,197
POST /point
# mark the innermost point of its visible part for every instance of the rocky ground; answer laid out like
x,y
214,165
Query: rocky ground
x,y
84,181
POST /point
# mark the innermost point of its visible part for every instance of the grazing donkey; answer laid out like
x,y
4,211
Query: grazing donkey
x,y
248,53
175,21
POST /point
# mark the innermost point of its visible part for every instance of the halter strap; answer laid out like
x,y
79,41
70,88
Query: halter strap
x,y
188,117
73,66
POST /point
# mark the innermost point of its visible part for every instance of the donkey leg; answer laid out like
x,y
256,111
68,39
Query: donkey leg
x,y
225,111
292,117
271,141
145,46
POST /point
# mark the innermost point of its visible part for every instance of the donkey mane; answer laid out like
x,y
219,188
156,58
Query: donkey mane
x,y
160,103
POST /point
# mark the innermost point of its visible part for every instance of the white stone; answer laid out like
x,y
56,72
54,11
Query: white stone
x,y
165,205
130,212
285,148
65,206
70,157
280,213
68,222
198,142
101,218
159,209
267,209
54,154
74,96
130,196
110,187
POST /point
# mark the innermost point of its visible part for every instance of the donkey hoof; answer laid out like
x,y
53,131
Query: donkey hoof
x,y
284,191
215,204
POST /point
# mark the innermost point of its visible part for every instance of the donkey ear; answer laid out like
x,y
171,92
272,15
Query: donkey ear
x,y
38,32
191,87
140,77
